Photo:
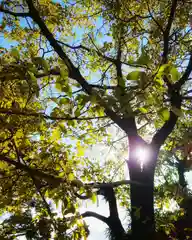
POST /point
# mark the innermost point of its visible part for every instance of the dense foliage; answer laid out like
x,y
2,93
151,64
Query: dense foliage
x,y
70,73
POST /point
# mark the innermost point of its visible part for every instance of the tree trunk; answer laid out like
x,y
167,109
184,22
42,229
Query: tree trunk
x,y
142,199
142,212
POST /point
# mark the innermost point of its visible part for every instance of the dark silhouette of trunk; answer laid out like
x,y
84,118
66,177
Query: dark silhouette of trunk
x,y
142,195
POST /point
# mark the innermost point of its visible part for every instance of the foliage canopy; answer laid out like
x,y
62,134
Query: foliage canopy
x,y
69,70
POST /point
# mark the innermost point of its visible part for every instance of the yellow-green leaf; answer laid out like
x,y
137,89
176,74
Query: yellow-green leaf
x,y
45,65
175,75
15,53
143,110
133,75
80,150
94,197
164,113
63,72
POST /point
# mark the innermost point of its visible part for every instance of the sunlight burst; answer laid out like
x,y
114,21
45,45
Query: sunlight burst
x,y
143,154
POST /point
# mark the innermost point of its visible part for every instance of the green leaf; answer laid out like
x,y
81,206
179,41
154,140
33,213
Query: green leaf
x,y
45,65
143,110
159,81
32,76
175,75
64,101
56,134
71,176
164,114
144,58
15,53
63,71
133,75
94,197
80,150
163,68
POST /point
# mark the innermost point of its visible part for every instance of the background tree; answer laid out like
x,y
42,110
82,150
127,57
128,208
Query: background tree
x,y
75,69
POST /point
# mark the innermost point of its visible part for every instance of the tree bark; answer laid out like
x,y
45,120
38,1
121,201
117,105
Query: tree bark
x,y
142,196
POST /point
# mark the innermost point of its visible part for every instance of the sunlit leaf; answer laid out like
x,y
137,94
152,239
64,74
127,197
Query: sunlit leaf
x,y
164,113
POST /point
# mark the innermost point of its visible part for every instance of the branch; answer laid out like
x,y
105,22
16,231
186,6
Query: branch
x,y
100,54
167,31
51,178
33,114
164,132
114,184
74,72
113,219
156,22
32,171
95,215
186,74
13,13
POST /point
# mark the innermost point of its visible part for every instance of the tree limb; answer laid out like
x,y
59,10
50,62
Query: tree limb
x,y
186,74
32,171
114,184
161,135
176,99
51,178
33,114
95,215
13,13
167,31
74,72
100,54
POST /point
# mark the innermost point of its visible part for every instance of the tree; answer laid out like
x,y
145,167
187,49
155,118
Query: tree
x,y
132,67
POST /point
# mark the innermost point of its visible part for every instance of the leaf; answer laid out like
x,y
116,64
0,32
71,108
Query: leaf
x,y
32,77
15,53
163,68
63,72
144,58
159,81
80,150
42,62
71,176
133,75
143,110
45,65
175,75
94,198
64,101
56,134
164,114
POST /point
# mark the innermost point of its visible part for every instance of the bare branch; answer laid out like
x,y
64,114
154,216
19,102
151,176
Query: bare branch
x,y
186,74
114,184
100,54
95,215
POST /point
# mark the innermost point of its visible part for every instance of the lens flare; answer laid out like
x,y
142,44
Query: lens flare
x,y
143,154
